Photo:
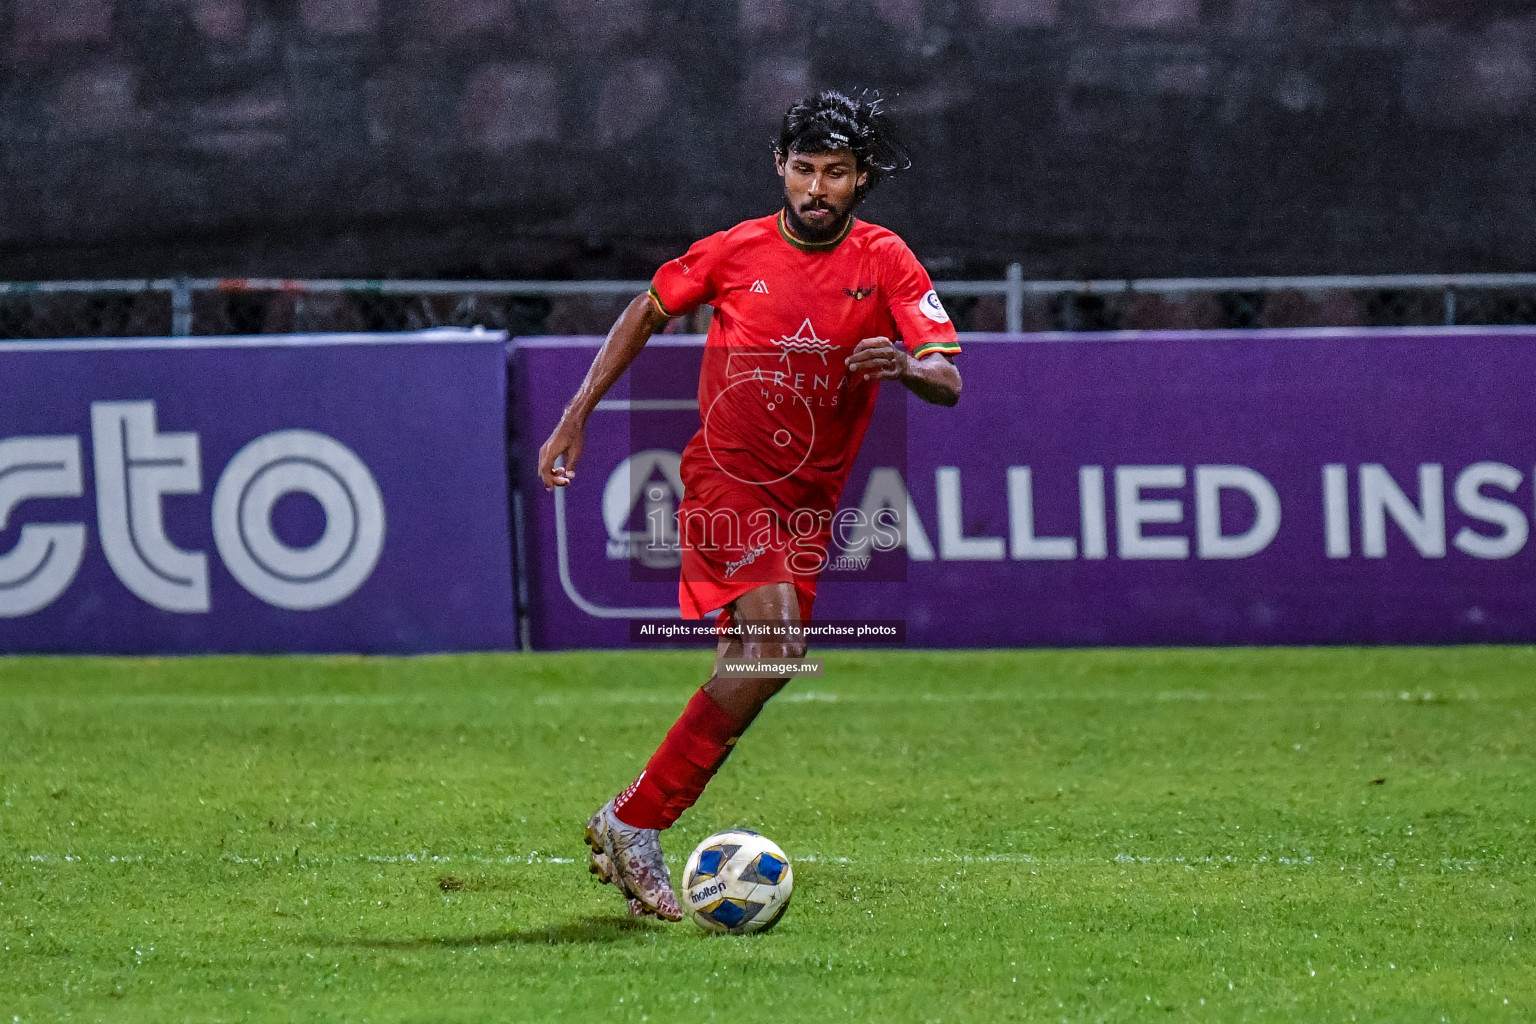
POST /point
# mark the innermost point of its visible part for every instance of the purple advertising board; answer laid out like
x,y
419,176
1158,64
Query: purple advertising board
x,y
1231,487
325,493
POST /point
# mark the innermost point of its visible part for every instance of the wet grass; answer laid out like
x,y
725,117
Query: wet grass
x,y
1159,835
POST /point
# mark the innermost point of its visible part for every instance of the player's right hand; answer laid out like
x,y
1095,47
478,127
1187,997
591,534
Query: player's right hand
x,y
564,445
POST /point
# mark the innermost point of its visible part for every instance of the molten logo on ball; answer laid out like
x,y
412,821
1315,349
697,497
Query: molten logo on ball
x,y
738,882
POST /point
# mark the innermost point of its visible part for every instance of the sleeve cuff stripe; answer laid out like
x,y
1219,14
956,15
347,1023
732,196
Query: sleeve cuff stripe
x,y
656,300
948,349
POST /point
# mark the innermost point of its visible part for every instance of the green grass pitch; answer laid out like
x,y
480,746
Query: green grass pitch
x,y
1231,835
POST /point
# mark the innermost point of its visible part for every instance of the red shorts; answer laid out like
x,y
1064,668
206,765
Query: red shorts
x,y
736,538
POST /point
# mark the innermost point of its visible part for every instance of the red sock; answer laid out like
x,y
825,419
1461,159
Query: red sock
x,y
695,748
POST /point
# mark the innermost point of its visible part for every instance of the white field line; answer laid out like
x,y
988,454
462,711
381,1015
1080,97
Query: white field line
x,y
536,858
230,699
1449,863
306,859
620,696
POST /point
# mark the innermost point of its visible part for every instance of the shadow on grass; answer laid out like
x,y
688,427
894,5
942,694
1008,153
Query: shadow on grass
x,y
585,931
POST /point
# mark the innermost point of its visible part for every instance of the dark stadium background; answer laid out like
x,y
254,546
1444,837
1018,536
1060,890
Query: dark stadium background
x,y
591,139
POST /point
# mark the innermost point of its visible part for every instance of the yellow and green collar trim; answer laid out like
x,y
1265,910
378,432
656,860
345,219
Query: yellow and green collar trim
x,y
656,301
826,246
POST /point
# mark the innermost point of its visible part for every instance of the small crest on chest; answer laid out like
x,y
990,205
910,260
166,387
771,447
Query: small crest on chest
x,y
858,293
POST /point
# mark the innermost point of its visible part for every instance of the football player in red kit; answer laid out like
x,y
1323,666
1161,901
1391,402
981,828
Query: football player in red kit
x,y
813,309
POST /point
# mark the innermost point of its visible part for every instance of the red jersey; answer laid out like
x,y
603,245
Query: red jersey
x,y
781,419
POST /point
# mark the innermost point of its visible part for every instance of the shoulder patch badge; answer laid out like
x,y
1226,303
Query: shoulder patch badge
x,y
930,306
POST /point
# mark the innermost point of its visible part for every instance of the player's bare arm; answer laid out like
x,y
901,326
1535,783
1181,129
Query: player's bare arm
x,y
934,378
625,340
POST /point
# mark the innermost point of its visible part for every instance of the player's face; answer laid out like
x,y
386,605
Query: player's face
x,y
819,191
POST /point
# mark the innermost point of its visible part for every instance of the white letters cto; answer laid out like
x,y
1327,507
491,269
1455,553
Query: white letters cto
x,y
331,568
47,555
135,468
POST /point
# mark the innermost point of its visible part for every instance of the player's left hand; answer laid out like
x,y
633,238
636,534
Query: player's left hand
x,y
877,359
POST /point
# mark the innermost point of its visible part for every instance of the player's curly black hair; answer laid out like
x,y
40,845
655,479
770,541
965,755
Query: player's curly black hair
x,y
833,120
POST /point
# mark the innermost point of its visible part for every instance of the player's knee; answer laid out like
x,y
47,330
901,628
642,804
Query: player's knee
x,y
776,649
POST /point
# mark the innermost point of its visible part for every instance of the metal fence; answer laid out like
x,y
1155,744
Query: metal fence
x,y
129,308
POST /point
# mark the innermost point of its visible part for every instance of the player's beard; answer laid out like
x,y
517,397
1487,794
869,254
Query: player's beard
x,y
814,233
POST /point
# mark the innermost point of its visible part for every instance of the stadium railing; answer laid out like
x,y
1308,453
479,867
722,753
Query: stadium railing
x,y
210,306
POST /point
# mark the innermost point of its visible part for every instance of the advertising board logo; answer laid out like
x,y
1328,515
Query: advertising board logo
x,y
136,466
649,482
333,566
46,556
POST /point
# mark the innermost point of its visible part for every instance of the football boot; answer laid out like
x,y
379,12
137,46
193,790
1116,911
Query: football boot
x,y
630,858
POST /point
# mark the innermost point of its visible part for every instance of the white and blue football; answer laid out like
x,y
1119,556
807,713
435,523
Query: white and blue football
x,y
737,882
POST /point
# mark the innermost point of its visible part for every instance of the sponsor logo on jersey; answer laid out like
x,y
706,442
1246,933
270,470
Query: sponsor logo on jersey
x,y
759,287
930,306
858,293
805,340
